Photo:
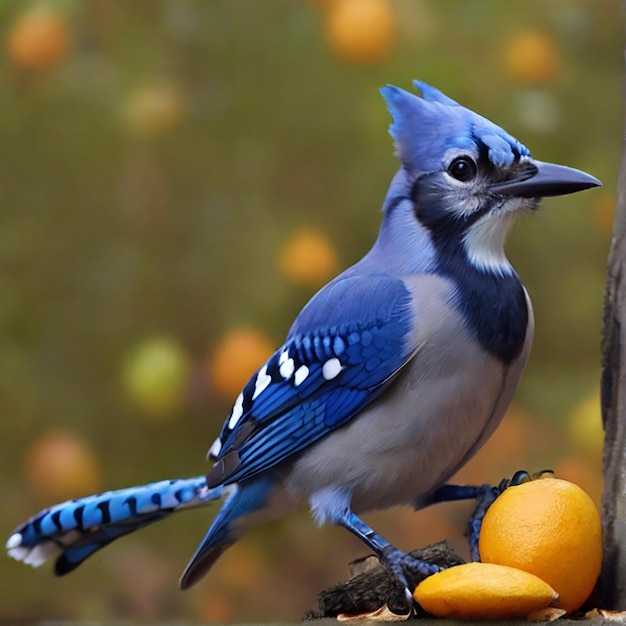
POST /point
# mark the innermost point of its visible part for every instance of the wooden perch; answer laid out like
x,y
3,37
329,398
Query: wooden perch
x,y
373,586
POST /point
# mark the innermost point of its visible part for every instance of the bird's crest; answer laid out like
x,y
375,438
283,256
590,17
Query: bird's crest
x,y
426,128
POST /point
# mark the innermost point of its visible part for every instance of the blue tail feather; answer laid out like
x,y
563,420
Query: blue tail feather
x,y
244,501
75,529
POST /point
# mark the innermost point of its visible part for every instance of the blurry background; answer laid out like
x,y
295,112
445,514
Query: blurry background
x,y
178,177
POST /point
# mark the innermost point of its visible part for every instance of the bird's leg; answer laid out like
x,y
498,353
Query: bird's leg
x,y
449,493
484,499
484,496
403,566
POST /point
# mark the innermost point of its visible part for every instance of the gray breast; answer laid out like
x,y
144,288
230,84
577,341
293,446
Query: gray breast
x,y
430,421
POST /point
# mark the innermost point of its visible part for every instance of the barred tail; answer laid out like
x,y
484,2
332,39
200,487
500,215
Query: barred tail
x,y
75,529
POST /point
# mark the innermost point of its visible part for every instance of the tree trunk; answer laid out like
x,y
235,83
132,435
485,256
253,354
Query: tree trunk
x,y
612,584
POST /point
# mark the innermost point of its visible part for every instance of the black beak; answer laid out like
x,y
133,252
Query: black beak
x,y
538,180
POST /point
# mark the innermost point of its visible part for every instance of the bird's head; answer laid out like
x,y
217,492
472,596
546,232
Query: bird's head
x,y
466,177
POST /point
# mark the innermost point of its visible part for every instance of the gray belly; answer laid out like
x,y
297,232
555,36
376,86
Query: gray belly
x,y
437,413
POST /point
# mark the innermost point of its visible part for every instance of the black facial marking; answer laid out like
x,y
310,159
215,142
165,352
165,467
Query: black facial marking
x,y
493,304
445,228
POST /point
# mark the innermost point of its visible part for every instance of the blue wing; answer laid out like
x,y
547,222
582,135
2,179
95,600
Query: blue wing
x,y
350,340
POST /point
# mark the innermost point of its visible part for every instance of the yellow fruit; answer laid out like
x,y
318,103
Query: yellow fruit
x,y
483,591
60,465
156,375
550,528
38,40
307,258
238,355
360,31
532,57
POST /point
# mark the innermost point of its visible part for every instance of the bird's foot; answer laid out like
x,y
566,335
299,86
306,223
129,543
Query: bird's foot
x,y
485,497
408,569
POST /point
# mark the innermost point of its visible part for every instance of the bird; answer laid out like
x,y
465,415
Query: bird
x,y
390,379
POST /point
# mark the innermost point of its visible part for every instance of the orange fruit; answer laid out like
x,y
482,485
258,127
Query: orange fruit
x,y
307,258
532,57
236,357
38,40
584,472
156,375
483,591
360,31
60,465
550,528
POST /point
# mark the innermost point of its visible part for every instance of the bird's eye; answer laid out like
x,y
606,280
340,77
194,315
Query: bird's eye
x,y
463,168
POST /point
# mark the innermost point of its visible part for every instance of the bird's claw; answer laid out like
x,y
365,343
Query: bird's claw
x,y
486,496
408,569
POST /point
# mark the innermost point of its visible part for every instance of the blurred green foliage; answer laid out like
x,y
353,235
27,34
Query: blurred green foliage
x,y
149,179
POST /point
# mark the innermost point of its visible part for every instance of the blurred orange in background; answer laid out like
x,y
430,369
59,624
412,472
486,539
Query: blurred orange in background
x,y
59,465
239,353
39,39
532,56
307,258
360,31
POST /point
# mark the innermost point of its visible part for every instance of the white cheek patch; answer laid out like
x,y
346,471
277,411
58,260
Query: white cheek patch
x,y
484,242
262,382
331,368
237,412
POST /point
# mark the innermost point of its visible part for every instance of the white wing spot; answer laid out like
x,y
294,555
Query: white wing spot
x,y
284,355
14,541
262,382
287,368
301,373
215,448
331,368
237,412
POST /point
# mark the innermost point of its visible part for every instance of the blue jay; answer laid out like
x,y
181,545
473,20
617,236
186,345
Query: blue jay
x,y
392,376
